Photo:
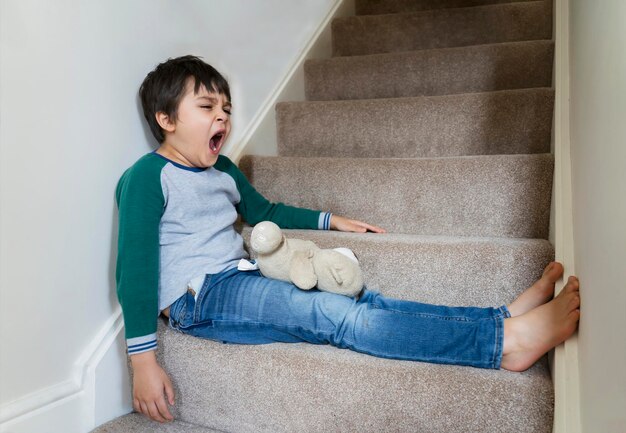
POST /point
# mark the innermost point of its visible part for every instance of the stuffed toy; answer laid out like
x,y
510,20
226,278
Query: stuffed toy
x,y
303,263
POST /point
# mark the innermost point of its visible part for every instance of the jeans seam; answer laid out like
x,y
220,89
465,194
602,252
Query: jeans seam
x,y
432,359
497,350
433,316
284,328
505,312
203,290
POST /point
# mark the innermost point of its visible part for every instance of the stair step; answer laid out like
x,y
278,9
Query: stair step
x,y
442,71
500,196
459,271
373,7
137,423
503,122
440,28
311,388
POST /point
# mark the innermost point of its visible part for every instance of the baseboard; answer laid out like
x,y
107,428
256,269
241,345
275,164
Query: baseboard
x,y
69,406
565,371
260,136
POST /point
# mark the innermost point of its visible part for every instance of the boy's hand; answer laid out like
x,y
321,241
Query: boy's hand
x,y
150,383
347,225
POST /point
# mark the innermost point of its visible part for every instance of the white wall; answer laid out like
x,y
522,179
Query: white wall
x,y
598,150
69,126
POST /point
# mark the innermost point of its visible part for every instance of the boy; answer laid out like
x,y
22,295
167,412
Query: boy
x,y
178,254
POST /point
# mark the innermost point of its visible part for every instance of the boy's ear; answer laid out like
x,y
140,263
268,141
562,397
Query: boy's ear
x,y
164,121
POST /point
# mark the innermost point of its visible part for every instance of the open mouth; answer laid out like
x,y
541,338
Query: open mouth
x,y
215,143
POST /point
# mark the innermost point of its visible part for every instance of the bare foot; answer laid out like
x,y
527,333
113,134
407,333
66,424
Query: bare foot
x,y
539,293
529,336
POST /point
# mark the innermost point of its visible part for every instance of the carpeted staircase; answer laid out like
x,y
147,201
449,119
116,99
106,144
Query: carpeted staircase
x,y
433,120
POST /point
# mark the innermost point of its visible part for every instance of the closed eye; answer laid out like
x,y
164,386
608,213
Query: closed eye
x,y
227,110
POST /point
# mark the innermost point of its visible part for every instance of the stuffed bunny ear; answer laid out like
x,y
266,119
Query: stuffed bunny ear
x,y
301,271
334,271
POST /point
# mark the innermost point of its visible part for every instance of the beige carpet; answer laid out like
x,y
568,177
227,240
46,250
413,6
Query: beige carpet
x,y
489,123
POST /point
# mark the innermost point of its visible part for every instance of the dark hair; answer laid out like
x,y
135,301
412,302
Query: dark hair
x,y
164,87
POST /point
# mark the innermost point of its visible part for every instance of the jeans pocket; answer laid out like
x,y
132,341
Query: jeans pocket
x,y
201,312
186,318
182,312
203,324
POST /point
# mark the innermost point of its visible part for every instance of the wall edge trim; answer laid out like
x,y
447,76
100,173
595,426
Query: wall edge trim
x,y
236,151
564,366
79,385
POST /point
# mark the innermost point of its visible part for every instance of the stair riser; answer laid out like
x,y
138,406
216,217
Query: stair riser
x,y
372,7
445,71
137,423
446,271
286,388
505,196
442,28
494,123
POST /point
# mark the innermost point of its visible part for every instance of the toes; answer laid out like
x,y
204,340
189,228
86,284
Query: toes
x,y
552,273
558,269
574,316
572,284
553,269
571,287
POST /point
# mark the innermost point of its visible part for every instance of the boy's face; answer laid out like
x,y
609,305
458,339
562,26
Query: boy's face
x,y
195,138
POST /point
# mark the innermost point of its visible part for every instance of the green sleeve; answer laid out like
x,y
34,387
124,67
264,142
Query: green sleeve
x,y
254,208
141,203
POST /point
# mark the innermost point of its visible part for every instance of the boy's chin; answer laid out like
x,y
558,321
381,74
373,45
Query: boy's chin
x,y
210,161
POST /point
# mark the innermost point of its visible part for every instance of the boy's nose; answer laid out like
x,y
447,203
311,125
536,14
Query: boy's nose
x,y
222,116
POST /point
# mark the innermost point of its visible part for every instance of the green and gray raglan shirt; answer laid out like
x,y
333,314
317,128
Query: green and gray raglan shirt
x,y
176,224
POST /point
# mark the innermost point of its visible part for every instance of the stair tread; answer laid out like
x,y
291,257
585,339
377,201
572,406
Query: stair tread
x,y
488,67
445,270
497,195
438,28
238,388
372,7
499,122
138,423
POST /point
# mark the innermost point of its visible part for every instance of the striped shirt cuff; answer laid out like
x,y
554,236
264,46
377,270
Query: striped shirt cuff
x,y
324,221
141,344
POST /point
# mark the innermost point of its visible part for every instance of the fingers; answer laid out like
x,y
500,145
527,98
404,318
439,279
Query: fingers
x,y
372,228
144,408
361,227
156,410
169,391
355,227
163,410
153,410
347,225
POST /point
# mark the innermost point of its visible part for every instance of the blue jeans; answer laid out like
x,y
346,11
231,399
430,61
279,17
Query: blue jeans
x,y
247,308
